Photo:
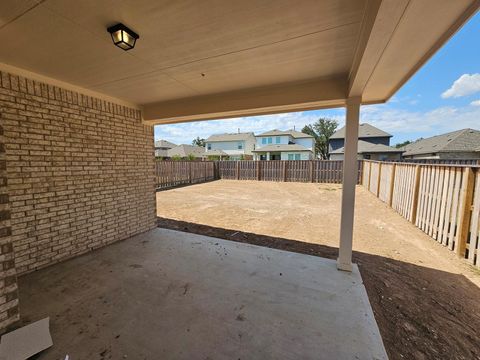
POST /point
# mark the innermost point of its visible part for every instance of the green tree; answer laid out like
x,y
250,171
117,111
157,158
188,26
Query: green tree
x,y
176,158
190,157
198,142
402,144
321,130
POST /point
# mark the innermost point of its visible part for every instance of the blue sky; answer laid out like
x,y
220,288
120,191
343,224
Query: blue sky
x,y
444,95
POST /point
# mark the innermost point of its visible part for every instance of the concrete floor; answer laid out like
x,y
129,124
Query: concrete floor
x,y
173,295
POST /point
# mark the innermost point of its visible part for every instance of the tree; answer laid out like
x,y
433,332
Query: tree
x,y
321,130
198,142
402,144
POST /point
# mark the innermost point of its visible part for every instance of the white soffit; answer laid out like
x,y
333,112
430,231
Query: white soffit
x,y
253,56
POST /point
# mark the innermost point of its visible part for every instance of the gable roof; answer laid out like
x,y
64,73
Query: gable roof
x,y
367,147
364,131
216,152
230,137
164,144
282,147
293,133
465,140
185,150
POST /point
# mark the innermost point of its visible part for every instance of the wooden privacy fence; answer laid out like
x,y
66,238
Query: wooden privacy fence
x,y
441,200
318,171
175,173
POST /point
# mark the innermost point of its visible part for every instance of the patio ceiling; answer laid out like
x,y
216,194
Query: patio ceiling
x,y
215,59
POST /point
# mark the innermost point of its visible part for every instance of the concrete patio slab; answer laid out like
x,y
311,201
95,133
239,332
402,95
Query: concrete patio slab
x,y
172,295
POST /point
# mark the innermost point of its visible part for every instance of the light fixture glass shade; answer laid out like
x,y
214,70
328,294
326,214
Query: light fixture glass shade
x,y
123,37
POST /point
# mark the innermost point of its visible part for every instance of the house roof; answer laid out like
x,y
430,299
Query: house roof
x,y
364,131
366,147
164,144
161,153
215,152
465,140
230,137
282,147
185,150
293,133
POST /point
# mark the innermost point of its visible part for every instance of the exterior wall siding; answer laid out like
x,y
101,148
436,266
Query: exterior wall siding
x,y
306,142
334,144
80,172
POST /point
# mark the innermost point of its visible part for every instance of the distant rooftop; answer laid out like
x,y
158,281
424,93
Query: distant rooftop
x,y
186,150
465,140
364,131
164,144
367,147
230,137
293,133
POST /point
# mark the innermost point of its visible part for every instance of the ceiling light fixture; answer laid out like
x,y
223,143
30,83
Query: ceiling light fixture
x,y
122,36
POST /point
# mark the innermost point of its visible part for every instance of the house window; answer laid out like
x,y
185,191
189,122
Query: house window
x,y
277,140
290,156
264,141
209,146
297,156
269,140
239,146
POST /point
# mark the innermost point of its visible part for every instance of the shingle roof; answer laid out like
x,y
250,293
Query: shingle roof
x,y
216,152
185,150
465,140
164,144
293,133
284,147
230,137
364,131
161,153
366,147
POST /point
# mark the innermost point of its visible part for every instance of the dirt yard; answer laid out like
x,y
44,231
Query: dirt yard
x,y
425,299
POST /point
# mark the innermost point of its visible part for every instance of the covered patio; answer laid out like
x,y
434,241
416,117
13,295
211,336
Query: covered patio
x,y
176,295
77,156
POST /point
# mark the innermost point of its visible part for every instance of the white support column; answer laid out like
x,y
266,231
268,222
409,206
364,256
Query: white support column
x,y
350,173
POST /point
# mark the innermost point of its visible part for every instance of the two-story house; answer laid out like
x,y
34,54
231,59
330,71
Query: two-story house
x,y
373,144
284,145
236,146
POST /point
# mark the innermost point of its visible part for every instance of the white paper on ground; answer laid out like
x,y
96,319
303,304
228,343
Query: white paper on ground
x,y
27,341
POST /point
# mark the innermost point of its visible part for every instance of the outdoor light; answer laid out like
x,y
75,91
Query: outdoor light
x,y
122,36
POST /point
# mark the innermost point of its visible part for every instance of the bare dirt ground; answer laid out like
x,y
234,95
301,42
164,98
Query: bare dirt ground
x,y
425,299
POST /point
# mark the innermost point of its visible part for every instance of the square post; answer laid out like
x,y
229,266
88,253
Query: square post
x,y
350,173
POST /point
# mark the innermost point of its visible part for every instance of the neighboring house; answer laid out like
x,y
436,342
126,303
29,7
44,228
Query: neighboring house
x,y
185,151
237,146
461,144
373,144
284,145
161,147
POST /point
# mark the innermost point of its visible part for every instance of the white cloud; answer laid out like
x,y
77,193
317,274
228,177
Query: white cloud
x,y
429,123
465,85
475,103
185,133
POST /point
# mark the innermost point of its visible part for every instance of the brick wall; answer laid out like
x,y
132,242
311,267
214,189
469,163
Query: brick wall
x,y
8,277
80,171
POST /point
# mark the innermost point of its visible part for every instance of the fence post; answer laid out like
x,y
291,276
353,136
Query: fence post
x,y
369,174
392,184
312,164
284,171
238,169
205,171
466,199
189,172
259,163
379,178
416,193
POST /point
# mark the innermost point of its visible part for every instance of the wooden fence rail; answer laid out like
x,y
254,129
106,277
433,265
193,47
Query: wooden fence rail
x,y
176,173
443,200
317,171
